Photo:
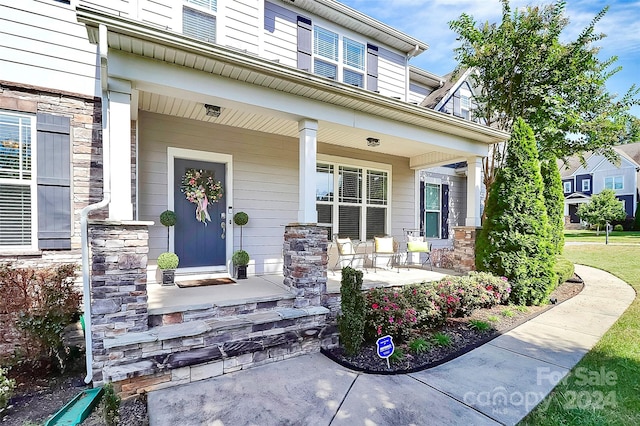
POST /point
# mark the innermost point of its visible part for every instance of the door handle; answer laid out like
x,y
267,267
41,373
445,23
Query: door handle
x,y
223,225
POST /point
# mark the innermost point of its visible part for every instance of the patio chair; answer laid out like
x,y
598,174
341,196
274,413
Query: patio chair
x,y
347,251
417,243
385,247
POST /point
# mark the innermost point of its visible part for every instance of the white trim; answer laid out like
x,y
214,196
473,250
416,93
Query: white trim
x,y
213,157
31,183
438,183
564,187
582,185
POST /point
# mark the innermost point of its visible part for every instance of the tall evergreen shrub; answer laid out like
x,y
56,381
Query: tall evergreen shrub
x,y
351,320
553,195
636,219
514,240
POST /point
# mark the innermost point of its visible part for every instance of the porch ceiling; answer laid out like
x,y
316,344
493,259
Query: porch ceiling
x,y
330,133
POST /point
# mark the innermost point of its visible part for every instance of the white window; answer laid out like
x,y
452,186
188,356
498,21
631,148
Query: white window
x,y
432,210
613,182
586,185
567,187
199,19
329,62
17,182
465,107
360,208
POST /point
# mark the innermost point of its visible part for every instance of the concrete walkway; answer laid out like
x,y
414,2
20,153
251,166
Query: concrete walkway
x,y
498,383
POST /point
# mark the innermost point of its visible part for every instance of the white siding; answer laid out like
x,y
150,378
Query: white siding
x,y
157,12
242,23
280,34
391,73
606,169
41,44
417,93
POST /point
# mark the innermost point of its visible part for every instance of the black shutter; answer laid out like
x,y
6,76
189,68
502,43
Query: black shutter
x,y
422,230
54,181
372,67
304,43
444,226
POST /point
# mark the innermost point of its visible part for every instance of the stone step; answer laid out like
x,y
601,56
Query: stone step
x,y
235,341
222,309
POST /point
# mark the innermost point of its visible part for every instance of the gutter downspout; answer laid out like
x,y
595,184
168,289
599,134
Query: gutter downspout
x,y
106,198
407,72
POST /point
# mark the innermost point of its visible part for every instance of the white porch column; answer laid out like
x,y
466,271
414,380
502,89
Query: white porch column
x,y
308,131
474,182
119,93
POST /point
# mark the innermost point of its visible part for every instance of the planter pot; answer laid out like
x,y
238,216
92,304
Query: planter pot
x,y
241,272
168,276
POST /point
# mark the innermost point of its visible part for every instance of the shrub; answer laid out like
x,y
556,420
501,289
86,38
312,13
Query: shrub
x,y
241,218
240,258
6,389
514,241
110,405
168,260
442,339
553,195
564,269
351,321
388,312
42,302
618,227
168,218
636,218
419,345
401,312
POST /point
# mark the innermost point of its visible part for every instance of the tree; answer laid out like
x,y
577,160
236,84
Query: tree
x,y
636,219
514,240
522,69
602,209
553,195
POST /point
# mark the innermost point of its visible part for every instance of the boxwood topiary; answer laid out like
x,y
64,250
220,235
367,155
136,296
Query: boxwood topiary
x,y
168,260
168,218
241,218
240,258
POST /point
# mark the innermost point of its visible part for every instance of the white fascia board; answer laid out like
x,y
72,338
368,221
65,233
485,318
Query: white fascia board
x,y
182,82
452,90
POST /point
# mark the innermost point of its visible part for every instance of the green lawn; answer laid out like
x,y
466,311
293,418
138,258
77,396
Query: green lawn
x,y
578,403
632,237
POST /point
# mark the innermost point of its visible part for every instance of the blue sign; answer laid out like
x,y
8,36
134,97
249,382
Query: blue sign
x,y
385,346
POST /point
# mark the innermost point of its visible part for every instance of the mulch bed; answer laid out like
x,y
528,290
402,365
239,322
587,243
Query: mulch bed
x,y
463,338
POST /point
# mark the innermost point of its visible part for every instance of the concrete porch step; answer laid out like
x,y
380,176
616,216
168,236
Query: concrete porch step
x,y
172,354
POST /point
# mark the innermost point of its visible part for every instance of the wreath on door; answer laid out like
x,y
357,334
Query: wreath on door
x,y
200,188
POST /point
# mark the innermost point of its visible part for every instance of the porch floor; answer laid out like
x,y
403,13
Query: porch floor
x,y
256,288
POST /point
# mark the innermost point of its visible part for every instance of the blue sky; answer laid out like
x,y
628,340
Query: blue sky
x,y
427,20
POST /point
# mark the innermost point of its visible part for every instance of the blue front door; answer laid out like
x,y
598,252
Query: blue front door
x,y
198,244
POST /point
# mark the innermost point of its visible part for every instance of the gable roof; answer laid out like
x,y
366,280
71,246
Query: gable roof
x,y
438,97
630,152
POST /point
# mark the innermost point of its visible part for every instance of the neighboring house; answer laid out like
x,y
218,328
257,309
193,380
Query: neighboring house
x,y
304,111
581,181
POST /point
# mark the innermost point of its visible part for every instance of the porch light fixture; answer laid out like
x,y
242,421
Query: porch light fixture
x,y
212,110
373,142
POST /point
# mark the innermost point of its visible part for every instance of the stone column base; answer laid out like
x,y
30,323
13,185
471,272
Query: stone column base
x,y
464,248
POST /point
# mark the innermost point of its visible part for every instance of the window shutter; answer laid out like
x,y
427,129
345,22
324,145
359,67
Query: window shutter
x,y
304,43
445,212
54,181
372,67
422,230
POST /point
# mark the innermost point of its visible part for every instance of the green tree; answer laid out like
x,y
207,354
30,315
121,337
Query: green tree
x,y
553,195
603,208
523,69
636,218
514,240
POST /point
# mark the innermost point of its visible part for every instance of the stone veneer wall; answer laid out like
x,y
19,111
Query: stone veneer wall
x,y
86,156
305,263
118,285
464,248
